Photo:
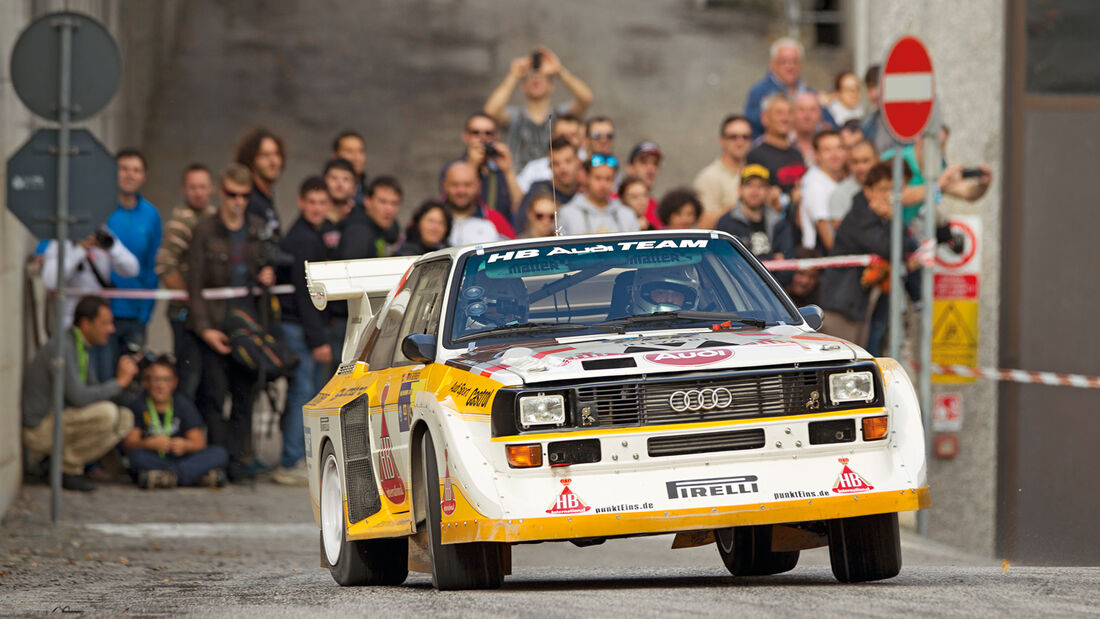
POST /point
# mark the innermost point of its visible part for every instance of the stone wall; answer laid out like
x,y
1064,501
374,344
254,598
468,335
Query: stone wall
x,y
146,33
967,45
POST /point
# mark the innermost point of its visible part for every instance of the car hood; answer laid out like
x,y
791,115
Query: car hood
x,y
652,353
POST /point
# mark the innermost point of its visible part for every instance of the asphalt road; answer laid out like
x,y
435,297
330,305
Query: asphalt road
x,y
246,552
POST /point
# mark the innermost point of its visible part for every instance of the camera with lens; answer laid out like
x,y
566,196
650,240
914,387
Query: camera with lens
x,y
143,358
104,239
491,151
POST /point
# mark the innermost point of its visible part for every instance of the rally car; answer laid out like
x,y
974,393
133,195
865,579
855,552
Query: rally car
x,y
591,387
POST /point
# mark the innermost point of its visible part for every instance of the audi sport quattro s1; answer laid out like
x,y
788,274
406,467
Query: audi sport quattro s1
x,y
591,387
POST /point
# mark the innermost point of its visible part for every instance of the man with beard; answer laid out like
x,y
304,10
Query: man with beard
x,y
473,223
350,145
566,180
339,176
596,211
198,193
262,152
227,250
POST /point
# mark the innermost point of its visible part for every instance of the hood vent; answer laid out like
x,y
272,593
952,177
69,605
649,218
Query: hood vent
x,y
609,364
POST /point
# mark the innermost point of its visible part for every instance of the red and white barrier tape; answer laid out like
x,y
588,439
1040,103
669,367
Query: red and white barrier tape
x,y
820,263
177,295
1020,376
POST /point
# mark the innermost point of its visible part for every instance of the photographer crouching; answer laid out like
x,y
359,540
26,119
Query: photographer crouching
x,y
167,445
228,249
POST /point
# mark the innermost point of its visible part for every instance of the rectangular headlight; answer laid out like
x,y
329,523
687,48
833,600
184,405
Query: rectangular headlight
x,y
542,410
851,387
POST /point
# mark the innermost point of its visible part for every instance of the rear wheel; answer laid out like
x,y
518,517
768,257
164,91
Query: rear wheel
x,y
865,548
352,563
747,551
476,565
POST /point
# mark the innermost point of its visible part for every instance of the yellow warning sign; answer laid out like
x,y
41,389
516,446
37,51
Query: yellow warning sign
x,y
954,336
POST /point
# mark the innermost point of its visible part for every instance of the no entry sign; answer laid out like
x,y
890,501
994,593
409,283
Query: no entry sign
x,y
907,89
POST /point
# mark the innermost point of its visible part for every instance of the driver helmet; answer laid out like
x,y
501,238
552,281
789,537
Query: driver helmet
x,y
665,290
495,302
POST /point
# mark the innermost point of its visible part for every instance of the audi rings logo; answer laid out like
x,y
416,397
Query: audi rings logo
x,y
700,399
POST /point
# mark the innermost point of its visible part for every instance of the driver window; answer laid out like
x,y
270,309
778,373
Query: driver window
x,y
425,304
394,312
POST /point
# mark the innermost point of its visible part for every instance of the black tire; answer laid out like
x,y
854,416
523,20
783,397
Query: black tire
x,y
747,551
864,548
362,562
476,565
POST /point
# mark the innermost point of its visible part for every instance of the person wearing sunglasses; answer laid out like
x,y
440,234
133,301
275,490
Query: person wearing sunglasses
x,y
717,183
540,215
596,211
227,250
491,158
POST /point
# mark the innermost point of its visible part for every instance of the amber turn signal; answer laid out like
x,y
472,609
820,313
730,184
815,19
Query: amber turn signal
x,y
874,428
524,456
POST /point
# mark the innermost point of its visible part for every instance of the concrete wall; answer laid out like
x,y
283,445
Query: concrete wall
x,y
967,45
146,34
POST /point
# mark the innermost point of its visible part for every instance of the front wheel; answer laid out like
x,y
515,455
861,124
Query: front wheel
x,y
354,563
747,551
475,565
864,548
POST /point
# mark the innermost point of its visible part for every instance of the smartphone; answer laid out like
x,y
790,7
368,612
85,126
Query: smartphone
x,y
536,60
972,173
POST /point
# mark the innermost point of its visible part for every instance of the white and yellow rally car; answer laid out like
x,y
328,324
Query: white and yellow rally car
x,y
590,387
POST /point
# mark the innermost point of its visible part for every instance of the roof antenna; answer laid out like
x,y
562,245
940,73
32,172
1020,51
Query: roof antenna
x,y
553,186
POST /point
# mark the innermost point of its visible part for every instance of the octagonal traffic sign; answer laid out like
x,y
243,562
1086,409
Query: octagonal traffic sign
x,y
908,89
32,184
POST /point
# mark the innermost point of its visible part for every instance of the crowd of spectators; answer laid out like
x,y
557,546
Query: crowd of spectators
x,y
798,174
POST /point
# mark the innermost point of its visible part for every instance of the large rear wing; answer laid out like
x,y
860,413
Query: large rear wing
x,y
364,284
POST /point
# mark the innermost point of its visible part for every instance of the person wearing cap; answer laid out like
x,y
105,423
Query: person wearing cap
x,y
717,183
763,231
645,163
597,210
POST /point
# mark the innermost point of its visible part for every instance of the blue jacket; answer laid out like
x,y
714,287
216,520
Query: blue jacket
x,y
139,229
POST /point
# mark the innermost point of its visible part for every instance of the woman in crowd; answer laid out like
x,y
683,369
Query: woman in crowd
x,y
540,216
428,230
844,104
679,209
634,193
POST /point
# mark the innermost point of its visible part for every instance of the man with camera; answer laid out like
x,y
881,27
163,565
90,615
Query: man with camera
x,y
167,446
228,250
91,424
500,190
88,266
529,125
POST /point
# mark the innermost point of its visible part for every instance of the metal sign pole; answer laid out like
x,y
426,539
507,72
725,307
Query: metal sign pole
x,y
931,190
63,104
897,262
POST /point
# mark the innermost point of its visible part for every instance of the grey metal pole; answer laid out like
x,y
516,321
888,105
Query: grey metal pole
x,y
64,100
931,187
897,261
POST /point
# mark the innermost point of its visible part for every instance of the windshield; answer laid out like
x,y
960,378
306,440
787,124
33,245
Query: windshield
x,y
563,288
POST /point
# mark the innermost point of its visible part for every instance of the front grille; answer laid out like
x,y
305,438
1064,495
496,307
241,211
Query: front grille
x,y
363,499
706,443
749,395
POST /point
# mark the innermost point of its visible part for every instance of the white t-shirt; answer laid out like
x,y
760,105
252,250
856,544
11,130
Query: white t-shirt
x,y
817,187
470,229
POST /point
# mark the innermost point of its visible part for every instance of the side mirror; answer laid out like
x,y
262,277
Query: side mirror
x,y
813,315
419,347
